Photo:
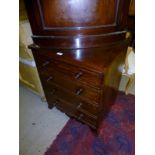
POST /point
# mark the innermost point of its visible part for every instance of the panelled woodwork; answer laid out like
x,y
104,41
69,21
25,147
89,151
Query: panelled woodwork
x,y
79,48
76,17
73,16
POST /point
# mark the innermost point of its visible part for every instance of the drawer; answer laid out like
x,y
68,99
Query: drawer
x,y
54,92
75,73
76,88
72,111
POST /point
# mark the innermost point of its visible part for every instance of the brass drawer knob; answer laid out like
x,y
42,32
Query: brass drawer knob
x,y
78,75
49,78
79,91
79,106
80,117
45,64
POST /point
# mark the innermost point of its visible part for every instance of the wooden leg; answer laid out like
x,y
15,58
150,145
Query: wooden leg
x,y
129,83
50,106
43,99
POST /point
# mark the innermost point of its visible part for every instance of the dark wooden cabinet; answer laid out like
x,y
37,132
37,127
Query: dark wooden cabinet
x,y
79,48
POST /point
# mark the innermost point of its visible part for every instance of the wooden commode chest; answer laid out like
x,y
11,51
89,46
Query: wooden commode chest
x,y
79,48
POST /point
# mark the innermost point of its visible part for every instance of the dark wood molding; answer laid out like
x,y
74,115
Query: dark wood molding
x,y
78,41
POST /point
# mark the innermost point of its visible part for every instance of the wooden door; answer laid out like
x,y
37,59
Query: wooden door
x,y
84,17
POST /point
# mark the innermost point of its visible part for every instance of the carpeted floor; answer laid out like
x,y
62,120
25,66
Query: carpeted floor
x,y
116,133
38,125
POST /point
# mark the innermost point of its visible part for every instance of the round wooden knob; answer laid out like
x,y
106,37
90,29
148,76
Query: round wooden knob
x,y
45,63
79,91
78,75
49,78
80,117
52,92
79,106
55,103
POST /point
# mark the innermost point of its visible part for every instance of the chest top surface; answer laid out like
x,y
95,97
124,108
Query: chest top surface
x,y
96,59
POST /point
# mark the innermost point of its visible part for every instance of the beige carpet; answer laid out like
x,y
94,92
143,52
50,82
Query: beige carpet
x,y
38,125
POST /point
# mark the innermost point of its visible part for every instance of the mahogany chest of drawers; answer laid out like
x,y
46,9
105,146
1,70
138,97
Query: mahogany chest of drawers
x,y
79,48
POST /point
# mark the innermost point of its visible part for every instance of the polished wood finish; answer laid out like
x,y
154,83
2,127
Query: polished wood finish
x,y
77,17
69,42
91,78
78,13
79,48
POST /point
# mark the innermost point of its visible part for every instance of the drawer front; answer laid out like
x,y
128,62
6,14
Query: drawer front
x,y
75,73
54,92
72,111
76,88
